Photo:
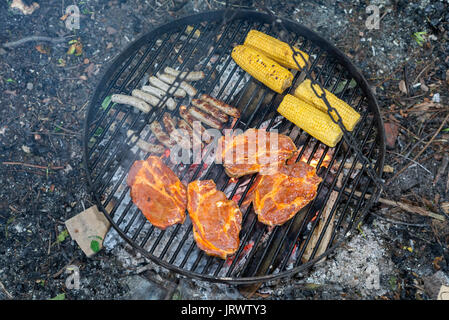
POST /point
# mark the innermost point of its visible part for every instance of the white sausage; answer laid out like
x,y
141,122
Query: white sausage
x,y
188,76
191,91
152,100
132,101
180,93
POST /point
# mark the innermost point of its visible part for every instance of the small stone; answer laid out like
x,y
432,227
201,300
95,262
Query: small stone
x,y
26,149
30,86
436,98
111,30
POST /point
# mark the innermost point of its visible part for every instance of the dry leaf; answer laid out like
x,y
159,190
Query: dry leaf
x,y
424,87
445,207
402,86
18,4
42,49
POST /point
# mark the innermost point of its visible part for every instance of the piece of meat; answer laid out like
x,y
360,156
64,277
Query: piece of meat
x,y
205,118
169,79
278,197
210,109
132,101
188,76
177,92
157,192
255,150
175,134
160,135
216,220
201,131
226,108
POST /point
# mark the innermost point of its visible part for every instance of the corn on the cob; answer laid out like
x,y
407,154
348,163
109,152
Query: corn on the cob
x,y
348,115
315,122
276,49
264,69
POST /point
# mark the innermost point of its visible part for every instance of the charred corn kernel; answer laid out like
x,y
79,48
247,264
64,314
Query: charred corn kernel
x,y
264,69
312,120
348,115
276,49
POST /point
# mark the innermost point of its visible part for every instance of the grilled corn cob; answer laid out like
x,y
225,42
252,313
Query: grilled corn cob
x,y
315,122
267,71
348,115
276,49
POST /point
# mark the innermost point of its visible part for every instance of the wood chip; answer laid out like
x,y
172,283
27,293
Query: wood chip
x,y
402,87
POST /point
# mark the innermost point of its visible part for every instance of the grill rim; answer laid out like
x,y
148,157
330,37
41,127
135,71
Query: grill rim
x,y
213,16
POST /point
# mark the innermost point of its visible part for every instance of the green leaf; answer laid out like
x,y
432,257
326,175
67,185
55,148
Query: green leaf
x,y
105,103
445,130
60,296
98,132
95,246
9,80
342,85
418,36
61,237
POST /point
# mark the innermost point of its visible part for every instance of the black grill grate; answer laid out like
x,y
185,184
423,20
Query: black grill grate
x,y
265,253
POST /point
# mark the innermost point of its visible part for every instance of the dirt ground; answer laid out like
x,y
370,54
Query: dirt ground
x,y
44,91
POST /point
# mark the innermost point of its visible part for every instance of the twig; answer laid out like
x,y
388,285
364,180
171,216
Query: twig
x,y
33,38
31,165
9,295
416,162
441,169
406,207
422,71
421,152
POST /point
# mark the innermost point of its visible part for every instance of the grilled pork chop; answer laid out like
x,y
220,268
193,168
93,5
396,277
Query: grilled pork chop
x,y
278,197
157,192
216,220
255,150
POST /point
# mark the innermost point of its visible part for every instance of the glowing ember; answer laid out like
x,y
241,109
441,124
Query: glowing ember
x,y
245,250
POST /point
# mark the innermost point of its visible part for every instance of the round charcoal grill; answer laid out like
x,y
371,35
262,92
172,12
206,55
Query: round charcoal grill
x,y
204,42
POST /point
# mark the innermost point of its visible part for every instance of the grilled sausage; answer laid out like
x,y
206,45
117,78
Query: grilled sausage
x,y
205,118
191,91
175,134
143,145
188,76
152,100
132,101
149,147
160,135
226,108
190,120
154,91
179,93
210,109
